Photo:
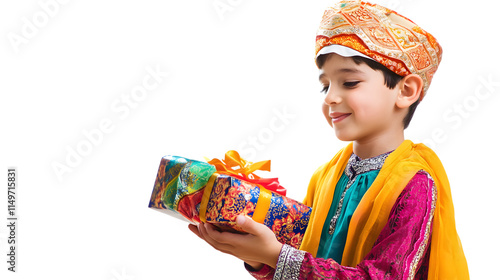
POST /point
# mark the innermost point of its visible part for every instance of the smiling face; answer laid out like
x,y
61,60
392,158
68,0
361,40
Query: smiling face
x,y
358,104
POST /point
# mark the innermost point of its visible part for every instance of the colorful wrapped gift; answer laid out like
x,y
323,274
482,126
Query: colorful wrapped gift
x,y
216,192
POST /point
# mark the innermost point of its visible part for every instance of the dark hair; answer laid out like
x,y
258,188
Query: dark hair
x,y
391,79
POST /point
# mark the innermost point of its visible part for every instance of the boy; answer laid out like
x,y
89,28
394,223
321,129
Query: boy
x,y
382,206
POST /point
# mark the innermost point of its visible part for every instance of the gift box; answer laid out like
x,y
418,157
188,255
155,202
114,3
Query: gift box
x,y
179,178
216,192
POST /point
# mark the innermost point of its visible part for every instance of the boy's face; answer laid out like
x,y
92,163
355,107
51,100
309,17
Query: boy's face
x,y
358,105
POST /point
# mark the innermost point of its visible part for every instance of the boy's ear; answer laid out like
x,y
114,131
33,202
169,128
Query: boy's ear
x,y
410,90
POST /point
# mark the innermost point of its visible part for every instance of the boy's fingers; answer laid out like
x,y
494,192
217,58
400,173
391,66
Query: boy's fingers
x,y
194,229
249,225
212,237
217,236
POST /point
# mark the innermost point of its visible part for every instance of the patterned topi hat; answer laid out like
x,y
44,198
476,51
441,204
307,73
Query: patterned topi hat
x,y
359,28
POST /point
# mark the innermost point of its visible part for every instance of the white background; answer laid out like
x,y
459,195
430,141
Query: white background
x,y
231,74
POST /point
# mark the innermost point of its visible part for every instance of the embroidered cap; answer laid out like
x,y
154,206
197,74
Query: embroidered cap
x,y
381,34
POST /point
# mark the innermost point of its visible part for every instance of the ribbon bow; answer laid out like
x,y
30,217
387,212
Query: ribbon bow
x,y
240,168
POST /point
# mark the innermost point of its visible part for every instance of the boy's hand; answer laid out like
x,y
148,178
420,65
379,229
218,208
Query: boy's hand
x,y
256,247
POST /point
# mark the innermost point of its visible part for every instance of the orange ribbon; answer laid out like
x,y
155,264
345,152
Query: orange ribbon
x,y
238,167
262,207
206,196
232,161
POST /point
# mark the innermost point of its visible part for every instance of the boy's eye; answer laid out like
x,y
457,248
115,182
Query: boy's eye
x,y
351,84
346,84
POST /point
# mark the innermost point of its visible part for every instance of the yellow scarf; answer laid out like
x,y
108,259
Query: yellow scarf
x,y
447,260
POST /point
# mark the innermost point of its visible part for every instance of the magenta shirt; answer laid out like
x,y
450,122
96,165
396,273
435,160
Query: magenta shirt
x,y
400,252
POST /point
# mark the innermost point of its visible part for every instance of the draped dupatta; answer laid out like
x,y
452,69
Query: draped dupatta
x,y
447,260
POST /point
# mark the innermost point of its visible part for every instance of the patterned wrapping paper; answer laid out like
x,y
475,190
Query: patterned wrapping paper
x,y
181,184
231,197
179,178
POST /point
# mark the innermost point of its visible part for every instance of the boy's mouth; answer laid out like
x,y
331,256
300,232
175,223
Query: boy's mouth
x,y
337,117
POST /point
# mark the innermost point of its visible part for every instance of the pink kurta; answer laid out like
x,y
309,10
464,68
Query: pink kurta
x,y
400,252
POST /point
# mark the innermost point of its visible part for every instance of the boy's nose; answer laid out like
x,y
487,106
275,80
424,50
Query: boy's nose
x,y
332,97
